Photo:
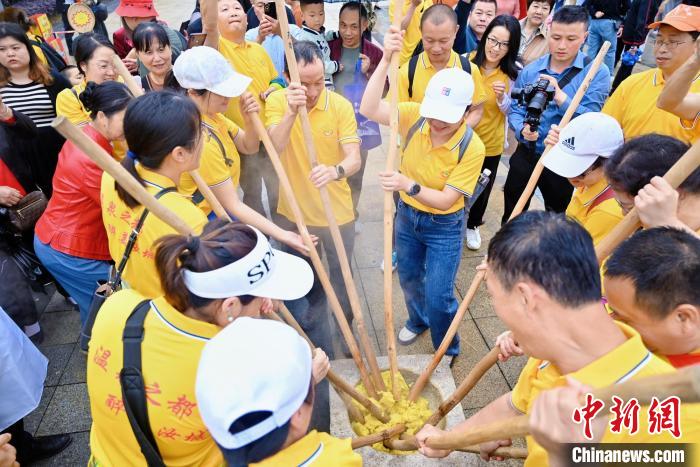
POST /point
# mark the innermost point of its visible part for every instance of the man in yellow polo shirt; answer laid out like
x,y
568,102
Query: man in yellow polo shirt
x,y
677,96
338,150
652,283
438,28
633,104
545,286
411,14
225,23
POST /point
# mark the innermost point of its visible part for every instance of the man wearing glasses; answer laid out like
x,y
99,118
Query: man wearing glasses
x,y
565,67
633,104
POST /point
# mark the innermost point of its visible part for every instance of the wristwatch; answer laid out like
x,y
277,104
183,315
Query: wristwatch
x,y
340,171
414,190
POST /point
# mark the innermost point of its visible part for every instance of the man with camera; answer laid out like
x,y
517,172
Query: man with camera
x,y
543,92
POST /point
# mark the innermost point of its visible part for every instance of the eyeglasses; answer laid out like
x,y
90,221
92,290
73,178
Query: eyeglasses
x,y
497,44
670,45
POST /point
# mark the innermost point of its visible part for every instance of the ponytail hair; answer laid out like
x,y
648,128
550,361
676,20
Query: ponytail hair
x,y
220,244
109,98
154,125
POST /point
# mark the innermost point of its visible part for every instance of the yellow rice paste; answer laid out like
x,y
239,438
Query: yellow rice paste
x,y
412,414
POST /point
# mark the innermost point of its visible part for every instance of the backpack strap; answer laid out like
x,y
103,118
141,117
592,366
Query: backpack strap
x,y
132,385
412,131
466,64
464,144
412,63
607,194
572,73
197,196
132,240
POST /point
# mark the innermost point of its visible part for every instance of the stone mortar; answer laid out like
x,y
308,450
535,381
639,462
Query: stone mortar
x,y
443,383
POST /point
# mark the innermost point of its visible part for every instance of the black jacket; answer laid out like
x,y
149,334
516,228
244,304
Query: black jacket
x,y
640,15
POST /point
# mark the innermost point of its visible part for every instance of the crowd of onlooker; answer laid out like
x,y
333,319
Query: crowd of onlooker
x,y
474,76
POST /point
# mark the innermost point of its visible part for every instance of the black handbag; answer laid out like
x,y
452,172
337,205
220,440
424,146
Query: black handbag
x,y
23,216
108,287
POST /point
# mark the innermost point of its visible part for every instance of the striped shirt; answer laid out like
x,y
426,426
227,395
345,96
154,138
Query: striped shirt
x,y
30,99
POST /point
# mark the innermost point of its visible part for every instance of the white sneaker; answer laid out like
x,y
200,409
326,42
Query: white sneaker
x,y
473,239
407,337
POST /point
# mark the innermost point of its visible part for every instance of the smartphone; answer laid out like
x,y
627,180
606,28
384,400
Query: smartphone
x,y
270,10
195,40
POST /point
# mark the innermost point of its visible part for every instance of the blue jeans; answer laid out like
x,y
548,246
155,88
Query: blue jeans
x,y
77,275
599,31
429,248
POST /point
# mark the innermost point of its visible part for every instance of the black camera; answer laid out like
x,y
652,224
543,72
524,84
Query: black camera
x,y
535,98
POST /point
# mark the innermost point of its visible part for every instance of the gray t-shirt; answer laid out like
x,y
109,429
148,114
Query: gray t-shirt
x,y
348,59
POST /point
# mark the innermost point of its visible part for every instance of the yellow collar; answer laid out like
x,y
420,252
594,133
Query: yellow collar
x,y
153,178
451,62
322,104
299,453
589,194
452,143
182,324
236,45
617,366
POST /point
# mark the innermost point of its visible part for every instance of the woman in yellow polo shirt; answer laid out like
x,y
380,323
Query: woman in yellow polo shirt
x,y
440,165
208,282
211,83
163,131
93,55
579,155
496,56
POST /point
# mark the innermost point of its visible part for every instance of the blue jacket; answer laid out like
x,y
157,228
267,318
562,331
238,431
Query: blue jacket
x,y
592,101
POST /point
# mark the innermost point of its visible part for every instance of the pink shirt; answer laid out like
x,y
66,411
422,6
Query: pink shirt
x,y
508,7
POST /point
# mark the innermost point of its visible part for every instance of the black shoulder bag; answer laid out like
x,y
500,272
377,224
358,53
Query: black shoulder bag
x,y
108,287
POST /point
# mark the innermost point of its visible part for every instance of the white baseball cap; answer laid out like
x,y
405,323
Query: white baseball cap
x,y
448,95
585,139
252,365
264,272
205,68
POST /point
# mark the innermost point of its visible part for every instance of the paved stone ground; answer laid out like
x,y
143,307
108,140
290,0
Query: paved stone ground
x,y
65,409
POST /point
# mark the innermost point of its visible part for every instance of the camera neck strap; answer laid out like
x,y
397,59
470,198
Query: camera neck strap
x,y
572,73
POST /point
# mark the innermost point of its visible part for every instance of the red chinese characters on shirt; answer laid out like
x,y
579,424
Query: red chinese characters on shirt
x,y
150,391
587,413
114,403
168,433
665,416
182,407
200,435
101,357
626,415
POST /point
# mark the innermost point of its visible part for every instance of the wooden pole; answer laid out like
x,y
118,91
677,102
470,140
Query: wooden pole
x,y
129,81
389,213
120,174
409,443
675,176
383,435
684,384
424,377
209,196
340,384
376,381
286,187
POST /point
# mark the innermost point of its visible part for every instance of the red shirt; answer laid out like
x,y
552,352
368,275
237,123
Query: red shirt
x,y
7,178
72,222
